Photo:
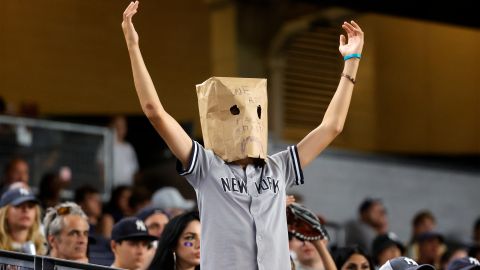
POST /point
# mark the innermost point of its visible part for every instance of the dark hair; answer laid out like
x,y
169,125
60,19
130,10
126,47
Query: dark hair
x,y
476,225
367,204
421,216
474,251
139,196
82,192
48,185
167,243
116,193
341,255
452,249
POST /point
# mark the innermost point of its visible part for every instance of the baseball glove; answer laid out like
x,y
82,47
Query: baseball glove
x,y
304,224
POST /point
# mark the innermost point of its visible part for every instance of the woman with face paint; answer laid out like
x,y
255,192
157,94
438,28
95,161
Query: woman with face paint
x,y
242,198
179,245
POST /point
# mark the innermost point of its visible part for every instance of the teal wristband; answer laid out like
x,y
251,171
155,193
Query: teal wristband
x,y
353,55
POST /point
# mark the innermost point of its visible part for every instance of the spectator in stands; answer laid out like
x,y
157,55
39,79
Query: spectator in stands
x,y
89,199
130,243
372,222
386,247
423,221
155,219
140,198
117,208
405,263
305,255
125,162
430,248
20,222
16,170
171,201
66,228
465,263
452,253
352,258
179,245
51,186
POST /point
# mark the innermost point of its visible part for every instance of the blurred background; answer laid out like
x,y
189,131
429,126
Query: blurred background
x,y
412,137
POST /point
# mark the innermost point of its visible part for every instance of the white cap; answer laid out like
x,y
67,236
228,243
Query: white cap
x,y
170,197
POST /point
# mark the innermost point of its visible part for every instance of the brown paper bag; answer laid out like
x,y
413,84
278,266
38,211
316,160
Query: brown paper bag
x,y
233,115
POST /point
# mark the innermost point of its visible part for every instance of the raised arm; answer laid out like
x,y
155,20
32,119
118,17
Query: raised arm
x,y
172,133
334,119
321,247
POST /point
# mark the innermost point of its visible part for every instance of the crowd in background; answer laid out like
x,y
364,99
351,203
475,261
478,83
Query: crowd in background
x,y
143,229
136,229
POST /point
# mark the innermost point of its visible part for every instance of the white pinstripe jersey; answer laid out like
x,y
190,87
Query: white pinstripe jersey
x,y
242,212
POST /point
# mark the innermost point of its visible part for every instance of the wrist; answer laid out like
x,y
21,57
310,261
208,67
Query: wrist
x,y
351,66
132,46
352,56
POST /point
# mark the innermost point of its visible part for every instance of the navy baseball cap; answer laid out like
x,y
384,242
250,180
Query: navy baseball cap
x,y
465,263
144,213
17,196
430,235
131,228
405,263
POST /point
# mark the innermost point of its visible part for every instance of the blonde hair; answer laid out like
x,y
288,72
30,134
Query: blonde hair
x,y
34,233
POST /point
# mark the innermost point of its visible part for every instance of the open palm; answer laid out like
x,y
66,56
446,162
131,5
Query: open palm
x,y
131,35
354,44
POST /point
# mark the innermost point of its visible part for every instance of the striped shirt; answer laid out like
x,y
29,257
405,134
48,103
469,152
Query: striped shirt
x,y
242,211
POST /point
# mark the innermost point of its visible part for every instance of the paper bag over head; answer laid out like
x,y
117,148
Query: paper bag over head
x,y
233,115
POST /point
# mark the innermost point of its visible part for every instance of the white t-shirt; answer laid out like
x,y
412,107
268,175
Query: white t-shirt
x,y
125,163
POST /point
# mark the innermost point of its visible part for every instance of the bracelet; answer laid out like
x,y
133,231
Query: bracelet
x,y
349,77
353,55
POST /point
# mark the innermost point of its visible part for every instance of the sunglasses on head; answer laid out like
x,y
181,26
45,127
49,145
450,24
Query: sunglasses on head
x,y
60,211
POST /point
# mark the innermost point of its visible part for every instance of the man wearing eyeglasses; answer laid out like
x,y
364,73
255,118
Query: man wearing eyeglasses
x,y
130,244
66,228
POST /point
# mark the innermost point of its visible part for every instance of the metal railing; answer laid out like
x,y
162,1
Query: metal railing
x,y
48,146
18,261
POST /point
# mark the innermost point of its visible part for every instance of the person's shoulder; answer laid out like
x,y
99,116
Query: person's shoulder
x,y
353,225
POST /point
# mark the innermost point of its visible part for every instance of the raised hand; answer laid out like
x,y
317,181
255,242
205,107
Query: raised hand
x,y
354,44
131,36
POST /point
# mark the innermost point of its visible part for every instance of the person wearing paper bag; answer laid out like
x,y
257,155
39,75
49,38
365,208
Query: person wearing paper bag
x,y
240,189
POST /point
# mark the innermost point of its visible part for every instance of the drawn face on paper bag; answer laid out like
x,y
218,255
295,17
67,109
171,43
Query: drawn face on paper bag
x,y
233,115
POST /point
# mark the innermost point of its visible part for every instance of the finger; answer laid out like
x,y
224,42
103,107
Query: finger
x,y
132,10
349,32
346,28
343,40
133,6
350,27
356,26
127,10
130,15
